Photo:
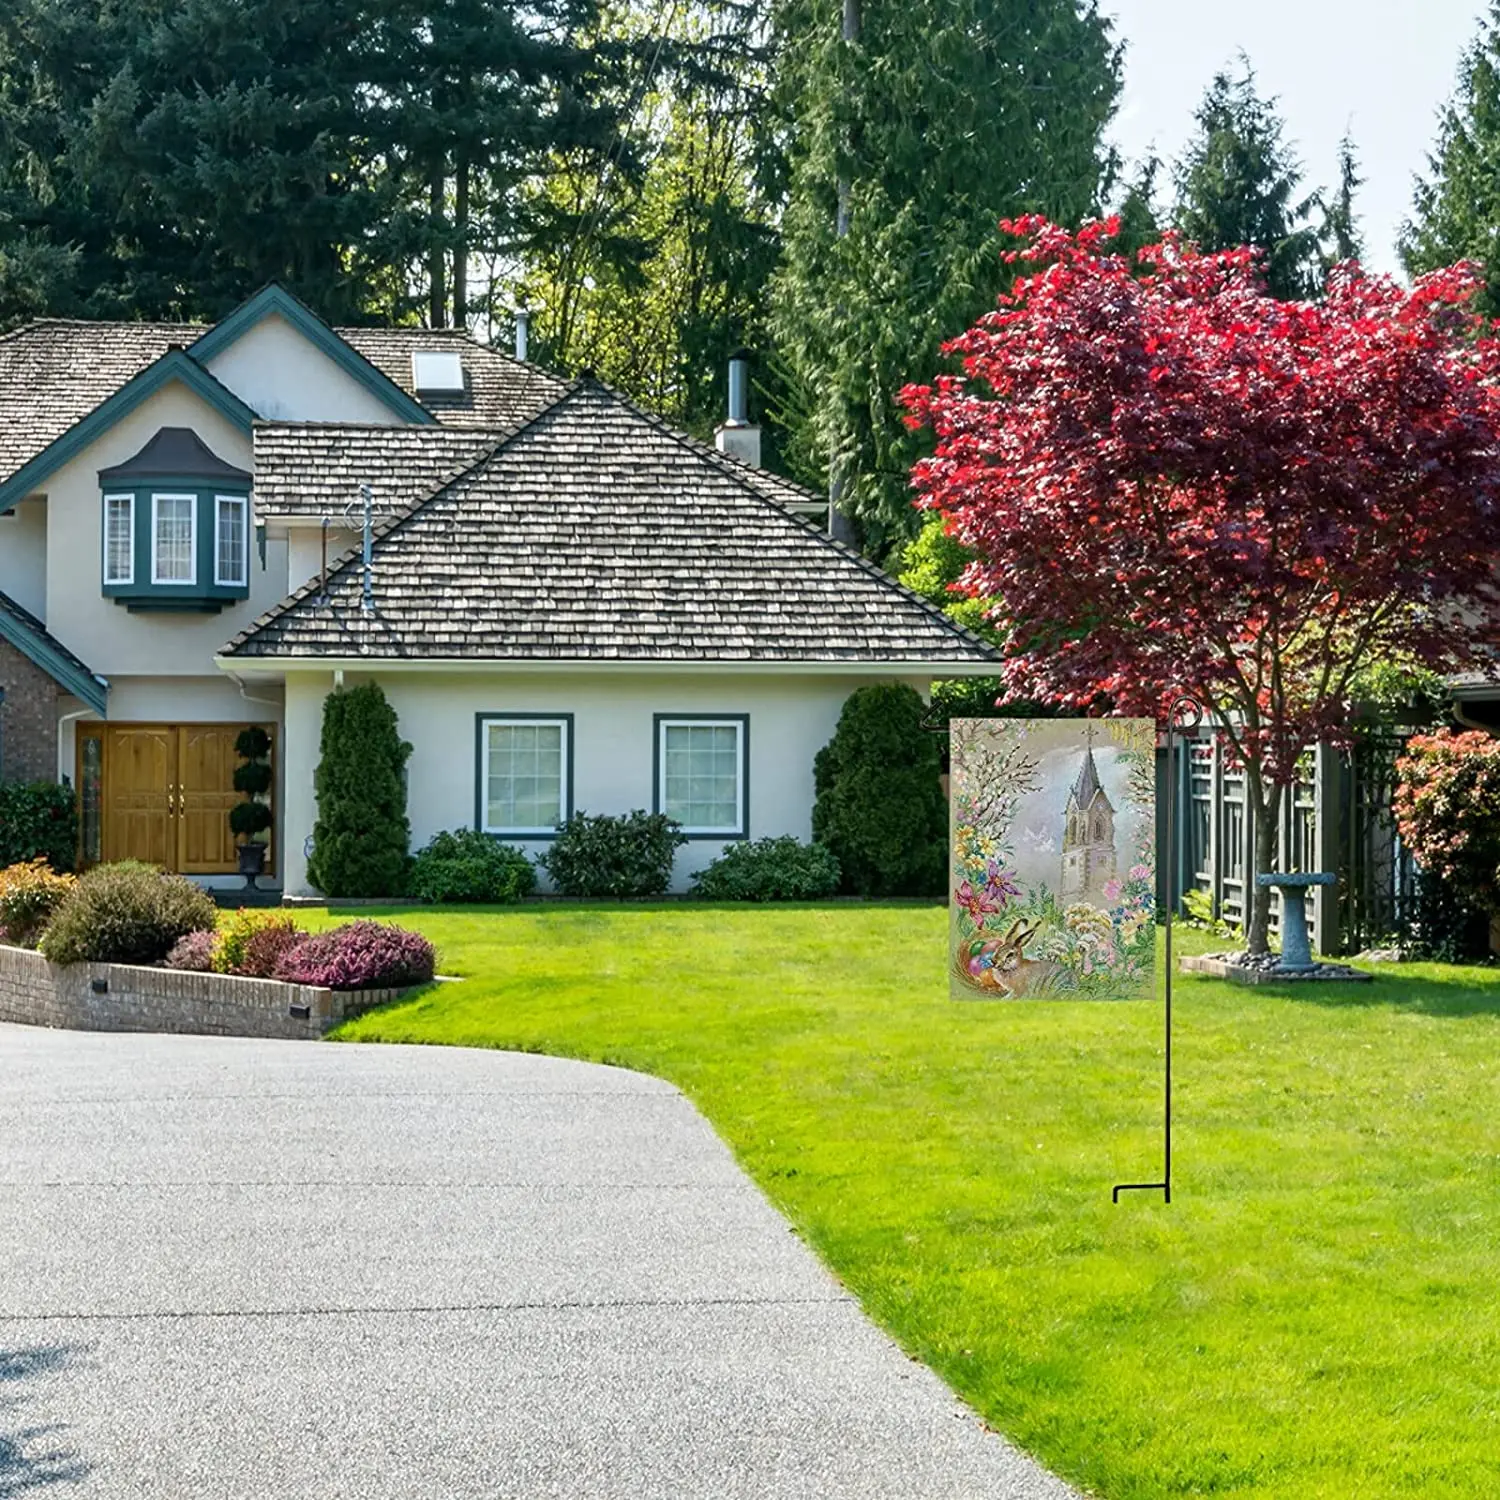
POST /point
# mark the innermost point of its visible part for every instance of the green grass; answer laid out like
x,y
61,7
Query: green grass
x,y
1317,1313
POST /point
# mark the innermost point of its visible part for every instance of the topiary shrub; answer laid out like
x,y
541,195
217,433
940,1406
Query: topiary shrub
x,y
252,780
29,894
193,952
361,834
126,913
780,869
38,820
466,865
360,956
879,805
611,858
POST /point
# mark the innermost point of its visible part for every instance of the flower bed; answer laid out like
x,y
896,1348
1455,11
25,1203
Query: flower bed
x,y
131,997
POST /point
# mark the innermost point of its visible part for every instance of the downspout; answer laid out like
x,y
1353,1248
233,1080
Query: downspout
x,y
71,718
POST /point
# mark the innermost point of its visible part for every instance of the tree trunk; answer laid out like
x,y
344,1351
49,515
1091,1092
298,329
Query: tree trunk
x,y
1263,803
437,294
461,243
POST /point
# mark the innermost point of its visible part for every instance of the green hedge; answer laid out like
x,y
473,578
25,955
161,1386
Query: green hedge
x,y
38,820
880,806
126,913
779,869
466,865
611,858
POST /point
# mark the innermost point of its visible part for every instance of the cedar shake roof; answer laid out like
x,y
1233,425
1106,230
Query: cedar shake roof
x,y
595,532
309,470
498,391
53,373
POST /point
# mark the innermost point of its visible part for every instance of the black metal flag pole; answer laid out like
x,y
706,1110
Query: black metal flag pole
x,y
1194,717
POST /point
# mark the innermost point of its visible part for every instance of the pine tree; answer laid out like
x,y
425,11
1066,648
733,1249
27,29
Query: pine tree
x,y
942,118
1238,183
1457,208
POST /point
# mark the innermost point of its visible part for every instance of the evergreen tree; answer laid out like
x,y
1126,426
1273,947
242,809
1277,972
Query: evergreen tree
x,y
165,158
1238,183
1340,236
361,835
879,805
654,276
1457,208
942,118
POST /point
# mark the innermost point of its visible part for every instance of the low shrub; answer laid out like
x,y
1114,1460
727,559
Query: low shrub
x,y
236,934
126,913
779,869
362,955
614,857
194,952
268,945
38,820
29,894
466,865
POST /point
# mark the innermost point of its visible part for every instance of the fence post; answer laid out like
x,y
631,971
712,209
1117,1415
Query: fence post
x,y
1327,804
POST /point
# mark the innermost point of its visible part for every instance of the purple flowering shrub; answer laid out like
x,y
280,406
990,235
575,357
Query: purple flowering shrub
x,y
267,945
194,951
361,955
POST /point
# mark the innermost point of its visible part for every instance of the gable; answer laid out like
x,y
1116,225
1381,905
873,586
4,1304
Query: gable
x,y
274,368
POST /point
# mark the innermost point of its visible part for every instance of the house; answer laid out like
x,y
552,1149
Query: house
x,y
570,605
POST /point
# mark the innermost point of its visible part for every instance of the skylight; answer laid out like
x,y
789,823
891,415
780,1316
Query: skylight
x,y
437,371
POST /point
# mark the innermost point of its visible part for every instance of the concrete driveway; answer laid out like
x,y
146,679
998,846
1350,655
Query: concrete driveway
x,y
274,1269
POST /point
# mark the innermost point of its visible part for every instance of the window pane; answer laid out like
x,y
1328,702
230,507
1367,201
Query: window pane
x,y
117,539
524,778
174,538
231,542
91,795
701,775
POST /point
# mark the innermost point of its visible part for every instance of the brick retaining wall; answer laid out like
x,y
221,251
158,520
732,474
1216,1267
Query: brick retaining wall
x,y
39,993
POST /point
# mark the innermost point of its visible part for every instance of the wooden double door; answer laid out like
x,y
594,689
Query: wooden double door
x,y
160,793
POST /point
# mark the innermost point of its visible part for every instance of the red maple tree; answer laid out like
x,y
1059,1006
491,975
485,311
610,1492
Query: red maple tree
x,y
1173,482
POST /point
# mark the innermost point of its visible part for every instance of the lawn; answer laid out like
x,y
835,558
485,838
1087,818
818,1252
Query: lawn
x,y
1315,1315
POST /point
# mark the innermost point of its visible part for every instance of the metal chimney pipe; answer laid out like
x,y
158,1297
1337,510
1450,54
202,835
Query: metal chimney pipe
x,y
523,331
739,388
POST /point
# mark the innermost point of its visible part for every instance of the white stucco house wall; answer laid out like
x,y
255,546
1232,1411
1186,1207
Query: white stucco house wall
x,y
570,605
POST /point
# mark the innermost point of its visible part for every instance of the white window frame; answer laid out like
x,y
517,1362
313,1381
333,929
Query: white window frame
x,y
741,727
191,581
564,722
109,501
243,505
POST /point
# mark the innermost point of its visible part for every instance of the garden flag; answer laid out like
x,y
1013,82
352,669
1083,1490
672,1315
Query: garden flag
x,y
1053,842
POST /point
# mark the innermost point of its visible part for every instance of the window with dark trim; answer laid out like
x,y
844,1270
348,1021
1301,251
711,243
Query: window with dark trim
x,y
524,774
703,773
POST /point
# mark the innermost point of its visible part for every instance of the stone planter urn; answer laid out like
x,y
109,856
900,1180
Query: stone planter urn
x,y
252,860
1296,950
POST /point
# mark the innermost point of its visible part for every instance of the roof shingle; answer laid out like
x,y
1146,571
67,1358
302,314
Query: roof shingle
x,y
597,533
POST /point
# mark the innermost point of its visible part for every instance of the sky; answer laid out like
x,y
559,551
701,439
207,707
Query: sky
x,y
1379,69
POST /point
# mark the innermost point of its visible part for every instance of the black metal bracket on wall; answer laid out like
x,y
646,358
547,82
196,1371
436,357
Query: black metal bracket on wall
x,y
1186,713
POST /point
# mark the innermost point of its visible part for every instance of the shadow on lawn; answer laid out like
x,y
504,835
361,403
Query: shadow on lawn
x,y
1457,995
31,1457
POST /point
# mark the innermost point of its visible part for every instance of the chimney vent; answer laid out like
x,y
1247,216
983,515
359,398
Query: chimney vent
x,y
738,437
523,332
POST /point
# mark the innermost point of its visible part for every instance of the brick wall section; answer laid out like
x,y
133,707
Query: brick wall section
x,y
39,993
28,719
